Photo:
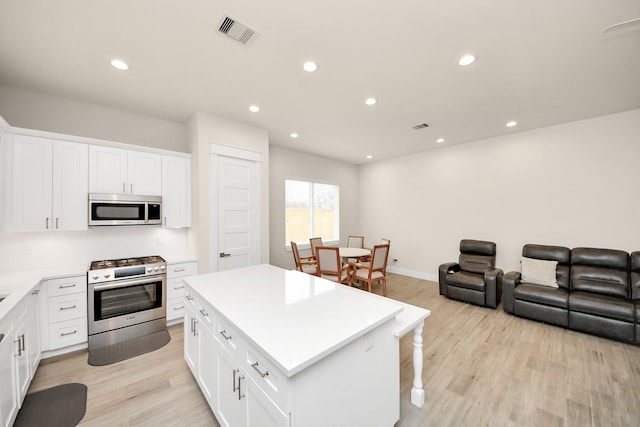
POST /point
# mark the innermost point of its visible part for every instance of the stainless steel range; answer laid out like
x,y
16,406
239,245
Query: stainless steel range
x,y
126,299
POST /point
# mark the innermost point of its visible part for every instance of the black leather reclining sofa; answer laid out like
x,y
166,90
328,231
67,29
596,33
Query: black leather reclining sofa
x,y
598,291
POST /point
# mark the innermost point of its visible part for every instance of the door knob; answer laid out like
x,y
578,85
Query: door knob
x,y
222,254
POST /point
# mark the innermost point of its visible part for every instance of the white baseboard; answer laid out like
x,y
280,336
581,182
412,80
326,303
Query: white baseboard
x,y
417,274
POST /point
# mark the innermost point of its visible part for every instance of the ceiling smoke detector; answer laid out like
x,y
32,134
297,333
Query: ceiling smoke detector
x,y
421,126
237,31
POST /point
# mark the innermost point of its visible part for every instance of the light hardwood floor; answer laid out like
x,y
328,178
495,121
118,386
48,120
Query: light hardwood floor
x,y
482,367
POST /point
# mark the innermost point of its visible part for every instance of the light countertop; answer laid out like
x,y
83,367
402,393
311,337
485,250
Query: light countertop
x,y
294,318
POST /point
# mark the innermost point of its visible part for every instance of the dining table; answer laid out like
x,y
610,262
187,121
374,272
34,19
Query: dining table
x,y
346,253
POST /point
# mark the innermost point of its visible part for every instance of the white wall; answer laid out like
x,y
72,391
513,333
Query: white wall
x,y
203,130
34,110
292,164
573,184
24,251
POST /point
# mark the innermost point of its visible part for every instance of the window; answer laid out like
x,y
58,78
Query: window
x,y
311,210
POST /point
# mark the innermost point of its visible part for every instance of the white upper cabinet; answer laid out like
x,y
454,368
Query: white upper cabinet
x,y
47,186
176,191
118,171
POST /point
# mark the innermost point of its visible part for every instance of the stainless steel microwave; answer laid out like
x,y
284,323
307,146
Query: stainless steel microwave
x,y
124,209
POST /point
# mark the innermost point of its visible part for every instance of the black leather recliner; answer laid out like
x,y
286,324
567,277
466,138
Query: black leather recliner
x,y
474,278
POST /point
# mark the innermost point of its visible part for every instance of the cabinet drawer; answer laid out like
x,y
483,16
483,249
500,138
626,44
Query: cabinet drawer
x,y
63,334
175,288
270,380
67,307
228,337
67,285
175,308
181,270
205,316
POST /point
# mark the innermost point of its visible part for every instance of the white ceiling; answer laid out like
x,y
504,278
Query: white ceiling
x,y
540,62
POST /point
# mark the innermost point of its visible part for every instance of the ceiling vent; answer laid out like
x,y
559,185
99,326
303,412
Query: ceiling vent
x,y
236,31
421,126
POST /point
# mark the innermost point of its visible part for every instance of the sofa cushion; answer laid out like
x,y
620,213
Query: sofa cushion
x,y
555,297
600,271
602,305
540,272
477,256
464,279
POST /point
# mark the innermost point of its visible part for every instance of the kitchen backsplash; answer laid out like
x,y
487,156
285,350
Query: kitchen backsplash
x,y
22,251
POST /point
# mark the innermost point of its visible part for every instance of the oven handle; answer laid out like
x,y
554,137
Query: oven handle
x,y
123,283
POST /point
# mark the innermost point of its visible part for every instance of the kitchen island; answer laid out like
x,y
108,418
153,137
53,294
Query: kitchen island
x,y
271,347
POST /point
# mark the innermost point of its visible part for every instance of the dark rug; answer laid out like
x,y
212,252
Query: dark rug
x,y
60,406
128,349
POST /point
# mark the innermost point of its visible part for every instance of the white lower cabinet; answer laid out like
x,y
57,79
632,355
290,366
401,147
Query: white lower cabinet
x,y
221,361
175,288
63,312
19,356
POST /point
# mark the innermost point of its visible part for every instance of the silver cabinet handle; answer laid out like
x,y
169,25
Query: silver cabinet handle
x,y
178,308
123,188
189,297
68,308
165,221
73,285
131,188
178,287
47,223
262,374
179,270
64,334
235,371
203,312
57,223
240,393
224,334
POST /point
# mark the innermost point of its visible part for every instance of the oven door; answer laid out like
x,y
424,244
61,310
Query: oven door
x,y
117,212
124,303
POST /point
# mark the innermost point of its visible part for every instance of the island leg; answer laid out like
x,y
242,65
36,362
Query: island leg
x,y
417,393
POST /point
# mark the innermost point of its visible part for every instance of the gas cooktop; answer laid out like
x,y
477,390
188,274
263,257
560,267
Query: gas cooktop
x,y
126,262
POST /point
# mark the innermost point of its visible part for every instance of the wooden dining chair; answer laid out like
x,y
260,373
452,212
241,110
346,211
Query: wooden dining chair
x,y
355,242
330,267
367,259
305,264
374,271
315,242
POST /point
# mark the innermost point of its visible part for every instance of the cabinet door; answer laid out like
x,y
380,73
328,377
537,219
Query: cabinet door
x,y
261,411
176,191
231,400
107,170
145,173
207,364
191,338
31,183
70,185
33,332
21,356
8,399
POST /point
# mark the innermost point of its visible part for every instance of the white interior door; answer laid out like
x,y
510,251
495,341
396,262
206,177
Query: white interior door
x,y
237,210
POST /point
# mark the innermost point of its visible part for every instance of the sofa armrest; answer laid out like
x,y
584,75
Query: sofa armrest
x,y
493,287
443,270
509,283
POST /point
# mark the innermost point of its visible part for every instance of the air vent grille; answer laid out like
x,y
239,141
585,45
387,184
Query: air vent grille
x,y
421,126
236,31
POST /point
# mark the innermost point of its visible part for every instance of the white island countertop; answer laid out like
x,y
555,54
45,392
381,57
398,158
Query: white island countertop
x,y
296,319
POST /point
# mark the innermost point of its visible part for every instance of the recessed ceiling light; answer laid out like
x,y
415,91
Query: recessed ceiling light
x,y
440,140
293,135
120,64
254,108
370,101
369,156
466,60
511,124
310,66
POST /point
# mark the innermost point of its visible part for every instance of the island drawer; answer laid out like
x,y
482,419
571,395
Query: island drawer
x,y
268,378
228,337
205,315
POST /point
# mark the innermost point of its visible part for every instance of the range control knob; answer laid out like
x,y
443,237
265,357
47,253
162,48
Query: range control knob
x,y
149,269
106,276
95,277
162,268
156,268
